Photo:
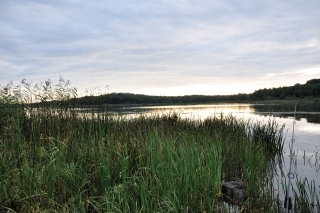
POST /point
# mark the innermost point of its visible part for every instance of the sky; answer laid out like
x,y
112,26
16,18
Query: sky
x,y
162,47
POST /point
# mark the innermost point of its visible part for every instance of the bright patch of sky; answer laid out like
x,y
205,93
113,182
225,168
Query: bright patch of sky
x,y
161,47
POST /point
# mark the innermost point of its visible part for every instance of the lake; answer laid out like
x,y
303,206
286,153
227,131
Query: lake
x,y
306,128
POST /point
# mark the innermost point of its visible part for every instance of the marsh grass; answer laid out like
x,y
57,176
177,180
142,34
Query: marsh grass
x,y
55,159
305,196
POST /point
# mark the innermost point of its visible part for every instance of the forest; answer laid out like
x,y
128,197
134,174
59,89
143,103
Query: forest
x,y
311,89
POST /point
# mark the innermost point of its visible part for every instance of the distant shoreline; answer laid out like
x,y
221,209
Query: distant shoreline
x,y
273,101
290,113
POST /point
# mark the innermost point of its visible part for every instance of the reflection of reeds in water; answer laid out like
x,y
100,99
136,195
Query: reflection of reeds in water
x,y
306,193
314,161
305,196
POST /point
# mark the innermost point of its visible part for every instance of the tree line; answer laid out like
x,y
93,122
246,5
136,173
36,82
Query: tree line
x,y
311,89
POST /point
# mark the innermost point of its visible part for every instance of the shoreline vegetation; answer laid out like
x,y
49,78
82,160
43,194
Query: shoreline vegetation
x,y
308,91
55,159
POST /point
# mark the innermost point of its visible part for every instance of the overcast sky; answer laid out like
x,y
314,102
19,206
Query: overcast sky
x,y
162,47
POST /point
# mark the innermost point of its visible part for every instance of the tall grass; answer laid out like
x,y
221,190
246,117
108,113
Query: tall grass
x,y
55,159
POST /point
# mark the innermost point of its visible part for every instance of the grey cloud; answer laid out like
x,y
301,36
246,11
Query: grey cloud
x,y
192,41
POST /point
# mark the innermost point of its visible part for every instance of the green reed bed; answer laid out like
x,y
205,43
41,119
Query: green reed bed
x,y
54,159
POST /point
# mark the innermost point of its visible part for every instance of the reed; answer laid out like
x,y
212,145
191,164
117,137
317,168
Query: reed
x,y
56,159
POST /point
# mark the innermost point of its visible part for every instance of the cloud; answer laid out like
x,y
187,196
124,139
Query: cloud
x,y
136,46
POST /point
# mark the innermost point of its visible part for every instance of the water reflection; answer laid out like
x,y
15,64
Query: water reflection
x,y
286,110
288,106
